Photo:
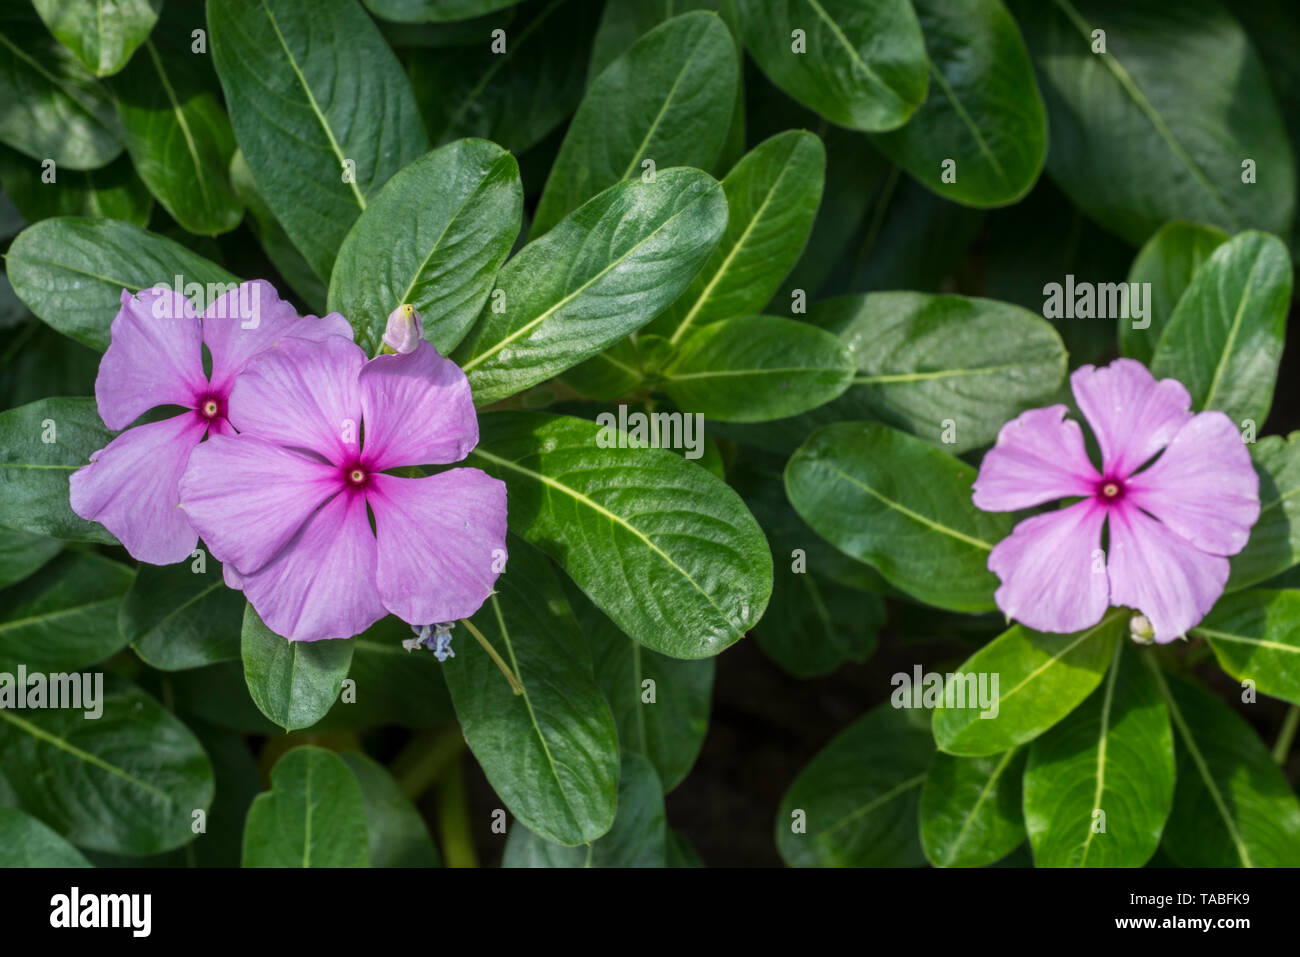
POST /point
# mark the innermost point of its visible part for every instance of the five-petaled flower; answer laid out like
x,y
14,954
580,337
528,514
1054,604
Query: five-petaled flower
x,y
288,503
1171,522
155,358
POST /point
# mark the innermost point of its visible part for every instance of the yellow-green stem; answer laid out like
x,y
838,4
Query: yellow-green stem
x,y
515,686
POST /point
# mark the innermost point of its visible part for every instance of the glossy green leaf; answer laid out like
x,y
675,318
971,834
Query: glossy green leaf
x,y
970,808
434,237
1040,679
71,272
396,832
668,100
65,616
949,369
313,816
515,98
22,553
1274,544
293,682
603,272
54,108
984,112
113,191
1224,339
434,11
864,65
772,197
1232,805
1114,754
756,368
1168,262
660,545
1158,126
550,753
103,40
41,445
26,842
638,837
180,616
855,485
322,110
855,804
127,782
1256,635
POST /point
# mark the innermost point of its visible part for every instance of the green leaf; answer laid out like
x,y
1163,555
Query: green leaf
x,y
293,682
855,484
1168,262
667,100
1040,679
175,617
34,472
1115,754
1256,636
1224,339
984,112
603,272
515,98
1156,128
661,705
127,782
313,816
772,196
865,65
638,837
396,832
26,842
54,108
664,548
551,753
177,133
855,804
949,369
1232,805
322,110
756,368
1274,544
434,237
22,553
71,272
65,616
113,191
970,809
102,39
434,11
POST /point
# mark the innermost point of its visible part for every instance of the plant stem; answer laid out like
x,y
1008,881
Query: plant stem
x,y
1287,735
425,757
515,686
453,819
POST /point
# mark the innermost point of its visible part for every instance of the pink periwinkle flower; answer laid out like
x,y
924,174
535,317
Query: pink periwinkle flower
x,y
155,358
288,503
1171,522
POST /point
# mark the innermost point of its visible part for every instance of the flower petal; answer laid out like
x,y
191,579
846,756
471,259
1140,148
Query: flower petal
x,y
1160,574
1203,487
247,497
442,541
303,395
1132,415
251,318
155,357
129,487
1039,457
1052,577
418,410
322,585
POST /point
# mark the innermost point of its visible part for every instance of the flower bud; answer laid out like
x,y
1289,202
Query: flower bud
x,y
1141,630
404,330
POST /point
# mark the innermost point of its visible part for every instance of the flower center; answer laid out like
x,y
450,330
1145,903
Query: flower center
x,y
357,476
1110,490
210,407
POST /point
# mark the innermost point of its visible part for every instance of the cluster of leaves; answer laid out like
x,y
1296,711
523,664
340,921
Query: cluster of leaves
x,y
782,214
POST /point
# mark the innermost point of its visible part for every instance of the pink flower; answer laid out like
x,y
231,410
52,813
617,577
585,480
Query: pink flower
x,y
287,504
155,358
1171,522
